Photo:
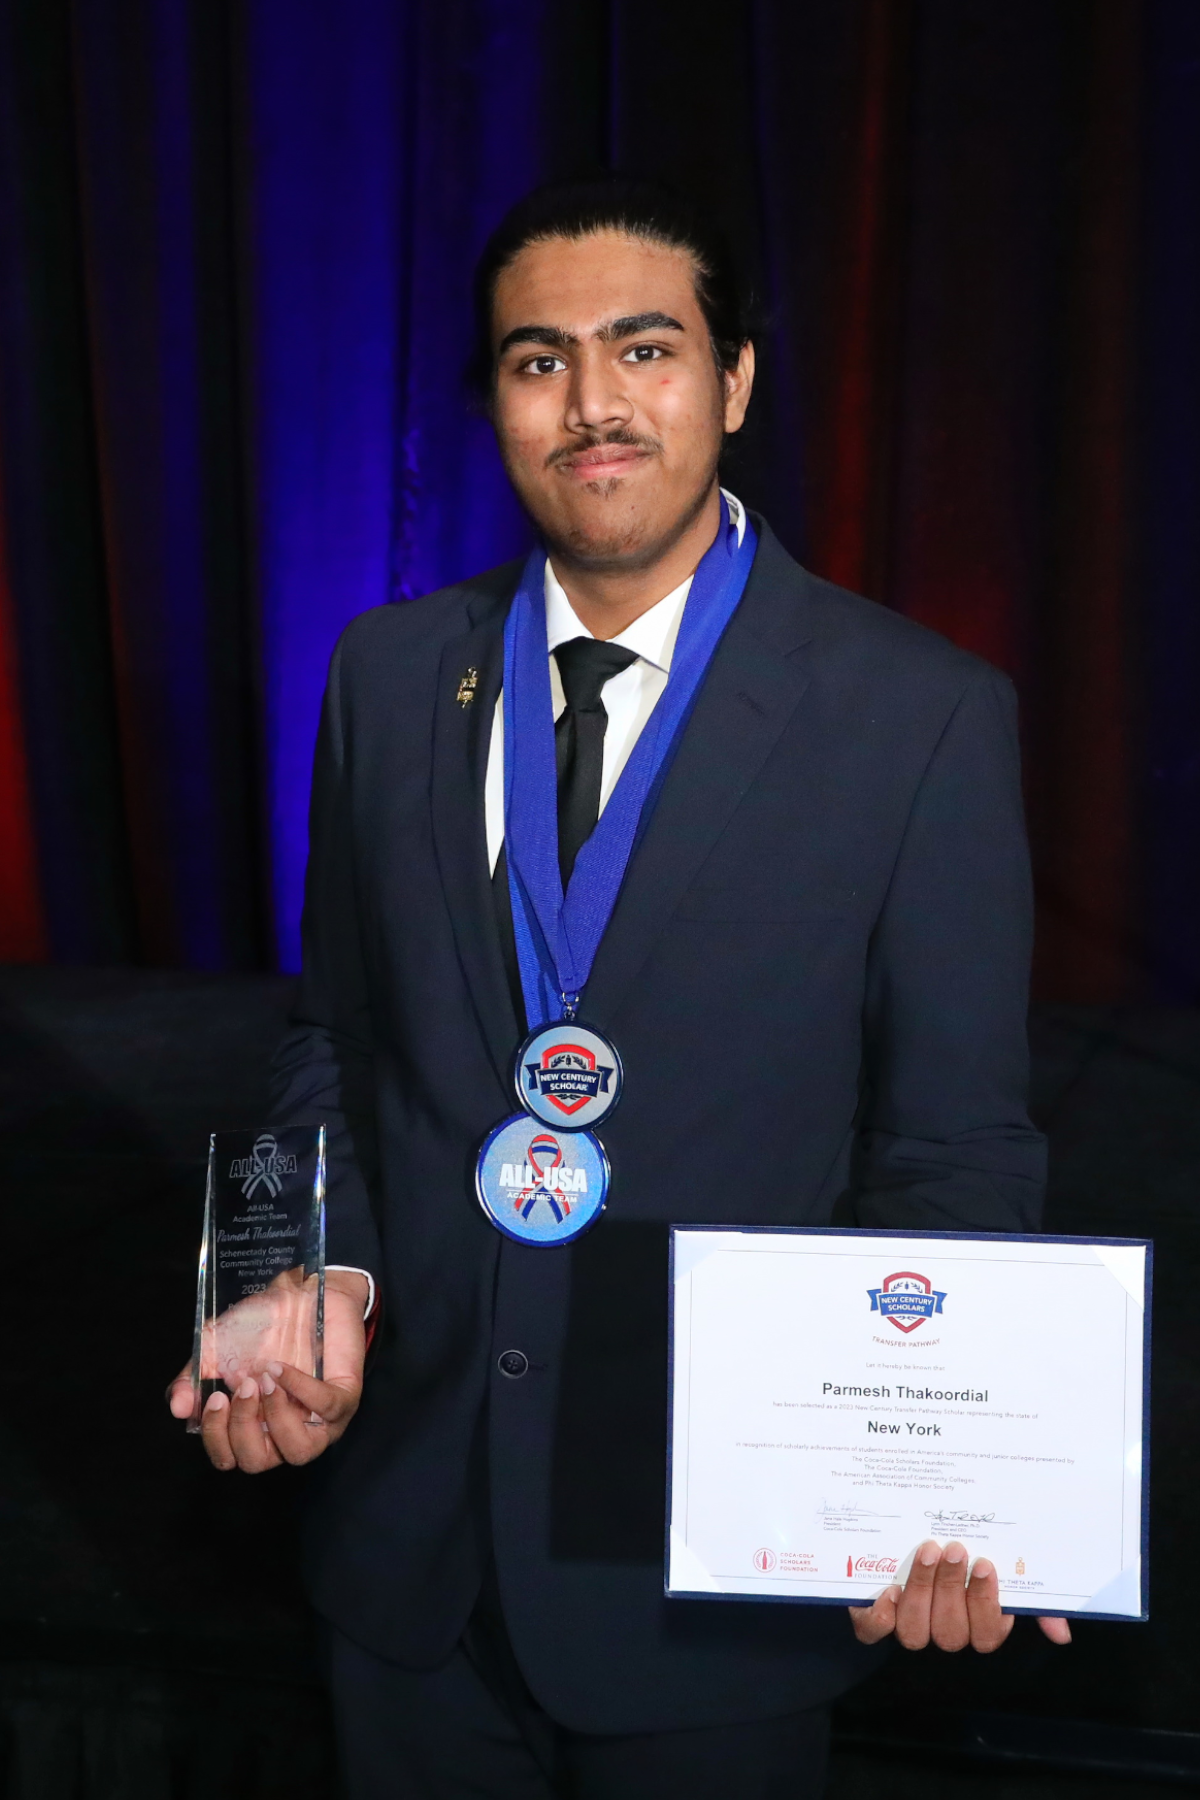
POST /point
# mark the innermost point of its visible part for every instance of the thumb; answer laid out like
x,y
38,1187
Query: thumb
x,y
179,1396
873,1623
332,1400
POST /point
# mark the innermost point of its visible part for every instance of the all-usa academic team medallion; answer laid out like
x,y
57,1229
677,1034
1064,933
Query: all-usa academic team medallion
x,y
538,1186
568,1075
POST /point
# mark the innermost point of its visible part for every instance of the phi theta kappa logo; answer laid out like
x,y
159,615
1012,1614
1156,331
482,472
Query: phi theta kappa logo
x,y
906,1300
568,1075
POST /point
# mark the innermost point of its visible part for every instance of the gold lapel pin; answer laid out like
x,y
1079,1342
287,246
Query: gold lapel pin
x,y
467,686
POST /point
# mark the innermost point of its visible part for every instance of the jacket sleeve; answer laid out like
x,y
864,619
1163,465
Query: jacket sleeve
x,y
945,1139
323,1071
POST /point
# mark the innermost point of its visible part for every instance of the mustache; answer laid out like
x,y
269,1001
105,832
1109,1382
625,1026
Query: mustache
x,y
632,440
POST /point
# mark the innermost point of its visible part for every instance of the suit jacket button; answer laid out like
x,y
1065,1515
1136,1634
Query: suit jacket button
x,y
513,1363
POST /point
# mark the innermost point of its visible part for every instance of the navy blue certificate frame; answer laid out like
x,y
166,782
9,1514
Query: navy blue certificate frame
x,y
958,1237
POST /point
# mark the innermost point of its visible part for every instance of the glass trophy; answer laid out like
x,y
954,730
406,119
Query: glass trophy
x,y
260,1295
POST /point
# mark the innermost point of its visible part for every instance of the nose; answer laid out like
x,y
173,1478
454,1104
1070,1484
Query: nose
x,y
596,398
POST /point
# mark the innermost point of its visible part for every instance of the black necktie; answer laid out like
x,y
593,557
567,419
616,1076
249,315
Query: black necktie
x,y
585,664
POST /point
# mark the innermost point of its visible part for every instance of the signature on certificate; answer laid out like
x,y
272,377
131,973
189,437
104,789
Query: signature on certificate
x,y
966,1518
847,1510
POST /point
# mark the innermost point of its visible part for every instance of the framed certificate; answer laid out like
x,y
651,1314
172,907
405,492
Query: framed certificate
x,y
839,1396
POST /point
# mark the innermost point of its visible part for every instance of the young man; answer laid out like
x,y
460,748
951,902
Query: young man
x,y
788,827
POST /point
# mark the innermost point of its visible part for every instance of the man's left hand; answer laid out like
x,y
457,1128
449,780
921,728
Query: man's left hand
x,y
274,1412
937,1604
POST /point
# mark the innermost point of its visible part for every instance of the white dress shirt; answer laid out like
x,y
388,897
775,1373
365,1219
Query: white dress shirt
x,y
628,699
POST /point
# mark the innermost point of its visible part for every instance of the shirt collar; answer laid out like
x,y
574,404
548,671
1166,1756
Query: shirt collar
x,y
652,636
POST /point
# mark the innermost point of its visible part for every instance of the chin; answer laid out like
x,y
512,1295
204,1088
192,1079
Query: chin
x,y
602,546
609,536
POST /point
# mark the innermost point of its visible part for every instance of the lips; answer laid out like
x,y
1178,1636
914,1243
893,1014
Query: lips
x,y
604,461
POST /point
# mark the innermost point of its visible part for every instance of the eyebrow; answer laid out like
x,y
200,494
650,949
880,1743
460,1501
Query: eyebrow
x,y
633,326
613,331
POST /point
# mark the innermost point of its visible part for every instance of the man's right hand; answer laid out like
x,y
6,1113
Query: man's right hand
x,y
947,1603
283,1415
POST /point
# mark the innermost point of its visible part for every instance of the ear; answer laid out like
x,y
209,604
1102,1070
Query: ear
x,y
739,384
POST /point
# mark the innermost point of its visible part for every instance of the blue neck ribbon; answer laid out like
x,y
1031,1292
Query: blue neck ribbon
x,y
557,935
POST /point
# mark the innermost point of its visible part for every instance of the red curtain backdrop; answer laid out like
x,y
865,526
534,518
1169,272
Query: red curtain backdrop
x,y
22,929
974,226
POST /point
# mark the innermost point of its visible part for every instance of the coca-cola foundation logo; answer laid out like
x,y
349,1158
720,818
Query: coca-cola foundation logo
x,y
764,1561
870,1565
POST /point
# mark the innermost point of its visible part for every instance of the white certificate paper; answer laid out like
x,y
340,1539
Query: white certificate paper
x,y
840,1396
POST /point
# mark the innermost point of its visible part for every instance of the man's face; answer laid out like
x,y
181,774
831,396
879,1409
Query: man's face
x,y
608,406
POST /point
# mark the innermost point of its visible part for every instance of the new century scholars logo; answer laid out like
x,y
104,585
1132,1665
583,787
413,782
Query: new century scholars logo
x,y
906,1299
569,1075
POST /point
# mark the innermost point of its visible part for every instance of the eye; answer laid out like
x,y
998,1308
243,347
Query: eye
x,y
544,364
644,353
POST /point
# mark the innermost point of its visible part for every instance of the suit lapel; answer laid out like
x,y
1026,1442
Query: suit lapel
x,y
461,739
753,686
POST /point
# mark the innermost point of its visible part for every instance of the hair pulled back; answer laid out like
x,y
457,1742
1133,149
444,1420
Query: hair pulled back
x,y
639,208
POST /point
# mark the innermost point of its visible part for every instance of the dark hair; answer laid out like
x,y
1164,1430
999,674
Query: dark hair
x,y
645,209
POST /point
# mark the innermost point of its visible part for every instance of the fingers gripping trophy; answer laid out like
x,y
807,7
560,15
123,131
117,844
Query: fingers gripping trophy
x,y
276,1365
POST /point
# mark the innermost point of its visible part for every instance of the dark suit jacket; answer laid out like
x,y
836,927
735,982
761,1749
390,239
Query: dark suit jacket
x,y
816,974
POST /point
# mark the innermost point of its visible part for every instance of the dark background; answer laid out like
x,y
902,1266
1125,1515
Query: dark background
x,y
235,243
